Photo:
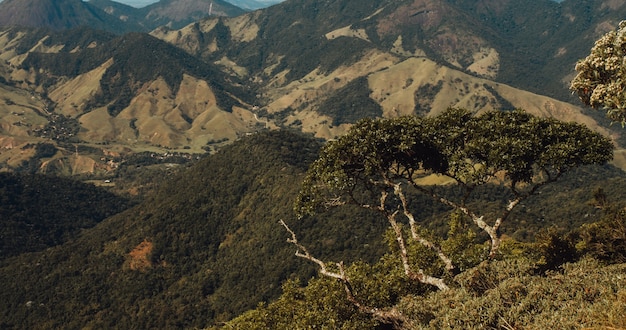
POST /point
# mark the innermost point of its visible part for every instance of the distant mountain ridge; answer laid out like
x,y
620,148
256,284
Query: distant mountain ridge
x,y
297,49
110,15
301,64
178,13
59,15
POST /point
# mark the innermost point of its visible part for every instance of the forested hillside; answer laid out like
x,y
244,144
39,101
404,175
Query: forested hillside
x,y
207,246
38,212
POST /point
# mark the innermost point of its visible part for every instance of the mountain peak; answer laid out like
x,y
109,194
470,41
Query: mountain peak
x,y
56,15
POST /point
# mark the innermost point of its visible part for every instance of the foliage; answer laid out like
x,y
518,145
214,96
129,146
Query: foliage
x,y
554,248
604,240
369,166
584,295
218,251
351,103
601,78
507,293
38,211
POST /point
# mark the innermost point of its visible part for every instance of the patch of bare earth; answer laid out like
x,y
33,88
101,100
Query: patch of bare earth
x,y
137,259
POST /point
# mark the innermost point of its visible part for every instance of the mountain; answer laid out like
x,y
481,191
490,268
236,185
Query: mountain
x,y
408,56
205,247
100,90
301,64
123,12
110,15
205,244
59,15
178,13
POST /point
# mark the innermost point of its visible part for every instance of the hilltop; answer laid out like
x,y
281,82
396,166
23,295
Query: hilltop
x,y
110,15
204,247
60,15
171,13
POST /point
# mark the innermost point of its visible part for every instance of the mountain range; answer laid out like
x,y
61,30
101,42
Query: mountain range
x,y
299,64
204,126
110,15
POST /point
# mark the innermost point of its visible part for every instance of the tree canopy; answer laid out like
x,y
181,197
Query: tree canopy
x,y
601,79
379,163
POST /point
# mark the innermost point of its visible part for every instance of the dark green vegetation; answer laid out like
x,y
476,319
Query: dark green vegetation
x,y
505,294
38,212
351,103
213,247
380,162
563,281
206,245
216,248
374,166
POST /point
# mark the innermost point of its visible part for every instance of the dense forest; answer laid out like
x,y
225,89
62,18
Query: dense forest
x,y
207,245
39,211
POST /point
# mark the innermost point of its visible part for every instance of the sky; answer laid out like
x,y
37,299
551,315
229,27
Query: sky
x,y
143,3
137,3
134,3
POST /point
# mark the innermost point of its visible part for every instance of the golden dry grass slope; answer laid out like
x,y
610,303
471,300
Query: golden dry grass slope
x,y
401,74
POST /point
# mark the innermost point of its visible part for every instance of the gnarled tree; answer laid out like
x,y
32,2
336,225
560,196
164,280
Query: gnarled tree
x,y
601,79
379,160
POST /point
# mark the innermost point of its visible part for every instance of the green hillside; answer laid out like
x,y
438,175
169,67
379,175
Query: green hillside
x,y
39,212
207,245
216,248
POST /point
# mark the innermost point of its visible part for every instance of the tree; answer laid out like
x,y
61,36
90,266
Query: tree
x,y
601,79
380,163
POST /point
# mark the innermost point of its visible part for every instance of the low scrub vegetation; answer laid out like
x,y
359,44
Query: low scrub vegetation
x,y
516,291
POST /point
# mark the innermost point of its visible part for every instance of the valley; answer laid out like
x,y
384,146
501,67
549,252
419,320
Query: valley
x,y
202,107
148,154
